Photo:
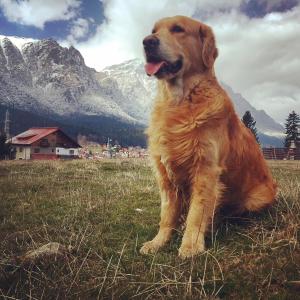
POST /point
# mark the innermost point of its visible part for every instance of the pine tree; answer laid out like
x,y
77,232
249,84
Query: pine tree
x,y
249,122
292,128
4,148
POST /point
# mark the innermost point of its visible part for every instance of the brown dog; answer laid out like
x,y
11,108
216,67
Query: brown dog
x,y
203,155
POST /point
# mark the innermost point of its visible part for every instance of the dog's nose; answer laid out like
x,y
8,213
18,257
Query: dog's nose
x,y
150,42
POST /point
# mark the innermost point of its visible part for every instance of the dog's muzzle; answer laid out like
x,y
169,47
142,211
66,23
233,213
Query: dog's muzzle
x,y
156,64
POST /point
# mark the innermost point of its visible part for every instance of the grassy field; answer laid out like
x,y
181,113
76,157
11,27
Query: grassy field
x,y
105,210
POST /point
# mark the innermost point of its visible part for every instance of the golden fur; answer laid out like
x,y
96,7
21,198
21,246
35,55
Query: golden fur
x,y
202,153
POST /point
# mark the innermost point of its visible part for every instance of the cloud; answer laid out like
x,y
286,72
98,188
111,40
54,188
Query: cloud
x,y
278,5
259,8
260,58
79,30
127,22
37,12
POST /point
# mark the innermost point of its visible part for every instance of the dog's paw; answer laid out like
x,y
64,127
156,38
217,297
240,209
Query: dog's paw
x,y
149,247
186,251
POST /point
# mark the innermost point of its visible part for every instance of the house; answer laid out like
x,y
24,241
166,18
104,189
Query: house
x,y
44,143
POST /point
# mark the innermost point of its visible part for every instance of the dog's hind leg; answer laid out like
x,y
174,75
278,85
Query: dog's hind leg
x,y
260,197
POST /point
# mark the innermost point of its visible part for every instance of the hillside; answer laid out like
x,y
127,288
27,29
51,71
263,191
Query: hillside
x,y
95,128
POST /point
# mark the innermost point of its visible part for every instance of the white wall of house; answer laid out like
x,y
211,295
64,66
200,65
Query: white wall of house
x,y
23,152
67,151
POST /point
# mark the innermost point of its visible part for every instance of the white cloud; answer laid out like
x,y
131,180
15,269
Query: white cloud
x,y
80,28
260,58
38,12
127,22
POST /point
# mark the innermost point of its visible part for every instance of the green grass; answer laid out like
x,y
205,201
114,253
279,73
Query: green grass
x,y
91,206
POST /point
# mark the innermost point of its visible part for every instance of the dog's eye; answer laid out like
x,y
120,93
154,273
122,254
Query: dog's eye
x,y
177,28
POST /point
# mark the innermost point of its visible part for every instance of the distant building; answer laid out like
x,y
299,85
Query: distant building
x,y
44,143
281,153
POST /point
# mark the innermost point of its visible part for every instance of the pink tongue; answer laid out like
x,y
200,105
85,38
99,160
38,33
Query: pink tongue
x,y
152,68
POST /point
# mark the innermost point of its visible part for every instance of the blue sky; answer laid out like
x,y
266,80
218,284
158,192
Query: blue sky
x,y
258,40
91,10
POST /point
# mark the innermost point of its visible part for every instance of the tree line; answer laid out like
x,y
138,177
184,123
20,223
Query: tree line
x,y
4,147
292,128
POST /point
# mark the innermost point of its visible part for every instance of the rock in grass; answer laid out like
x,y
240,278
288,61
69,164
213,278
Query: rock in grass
x,y
51,250
42,256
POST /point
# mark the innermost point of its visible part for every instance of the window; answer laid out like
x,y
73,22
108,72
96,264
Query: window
x,y
44,143
52,150
20,149
36,150
71,152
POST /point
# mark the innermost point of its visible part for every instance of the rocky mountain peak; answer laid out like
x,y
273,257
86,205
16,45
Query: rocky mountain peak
x,y
11,52
13,64
3,63
48,52
75,56
58,69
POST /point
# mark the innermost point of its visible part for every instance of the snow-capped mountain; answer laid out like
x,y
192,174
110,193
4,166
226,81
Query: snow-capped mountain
x,y
128,84
18,41
264,123
47,79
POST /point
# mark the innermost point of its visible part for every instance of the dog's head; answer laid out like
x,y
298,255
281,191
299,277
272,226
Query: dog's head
x,y
177,46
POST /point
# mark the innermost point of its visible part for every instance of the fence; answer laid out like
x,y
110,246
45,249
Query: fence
x,y
281,153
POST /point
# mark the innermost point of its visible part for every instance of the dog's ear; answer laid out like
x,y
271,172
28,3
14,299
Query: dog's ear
x,y
209,50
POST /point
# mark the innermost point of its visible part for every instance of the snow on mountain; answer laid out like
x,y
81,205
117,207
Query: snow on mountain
x,y
17,41
46,78
129,86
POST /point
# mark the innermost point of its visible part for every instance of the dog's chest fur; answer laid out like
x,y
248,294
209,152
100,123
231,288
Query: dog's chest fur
x,y
174,138
182,134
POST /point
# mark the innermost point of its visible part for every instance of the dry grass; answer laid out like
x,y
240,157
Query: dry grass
x,y
92,207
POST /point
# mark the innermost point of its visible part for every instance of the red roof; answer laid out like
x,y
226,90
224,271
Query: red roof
x,y
34,134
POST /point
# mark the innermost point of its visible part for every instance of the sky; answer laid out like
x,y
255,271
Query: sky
x,y
258,40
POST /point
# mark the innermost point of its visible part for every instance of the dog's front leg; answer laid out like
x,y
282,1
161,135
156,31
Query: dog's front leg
x,y
170,211
204,198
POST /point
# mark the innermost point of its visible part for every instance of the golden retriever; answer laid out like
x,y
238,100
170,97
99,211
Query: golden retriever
x,y
202,153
